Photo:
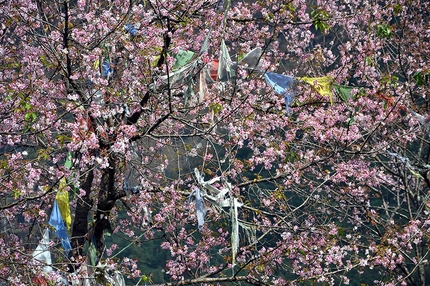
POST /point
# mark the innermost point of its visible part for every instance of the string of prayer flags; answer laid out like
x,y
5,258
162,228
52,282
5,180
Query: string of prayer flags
x,y
282,85
42,253
56,221
323,85
217,198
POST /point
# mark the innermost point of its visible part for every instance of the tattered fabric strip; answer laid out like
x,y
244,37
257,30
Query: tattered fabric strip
x,y
234,231
200,207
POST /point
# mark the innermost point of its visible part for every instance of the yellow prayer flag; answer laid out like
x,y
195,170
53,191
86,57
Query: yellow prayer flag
x,y
323,85
63,202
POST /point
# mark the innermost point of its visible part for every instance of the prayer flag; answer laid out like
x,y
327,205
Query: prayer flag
x,y
68,164
214,69
92,254
421,119
205,46
200,207
63,202
282,85
201,210
42,252
203,88
234,231
56,221
225,65
131,29
323,85
344,92
106,69
182,58
252,59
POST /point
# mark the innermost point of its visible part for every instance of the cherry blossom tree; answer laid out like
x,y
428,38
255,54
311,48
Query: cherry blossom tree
x,y
260,142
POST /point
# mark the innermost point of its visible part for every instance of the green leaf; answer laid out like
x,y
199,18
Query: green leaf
x,y
320,18
217,108
350,121
397,9
16,193
383,31
30,117
370,61
422,77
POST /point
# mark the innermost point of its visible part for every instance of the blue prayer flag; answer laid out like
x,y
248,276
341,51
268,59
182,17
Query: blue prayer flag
x,y
131,29
57,222
106,69
282,84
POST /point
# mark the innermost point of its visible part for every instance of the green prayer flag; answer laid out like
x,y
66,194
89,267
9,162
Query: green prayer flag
x,y
344,92
182,58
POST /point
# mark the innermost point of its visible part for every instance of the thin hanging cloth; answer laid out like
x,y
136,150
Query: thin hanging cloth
x,y
182,58
203,88
282,85
131,29
200,207
252,59
42,253
205,46
323,85
344,92
56,221
62,198
107,70
234,231
226,70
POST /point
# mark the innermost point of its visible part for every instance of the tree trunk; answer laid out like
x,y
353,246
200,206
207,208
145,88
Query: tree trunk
x,y
80,223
